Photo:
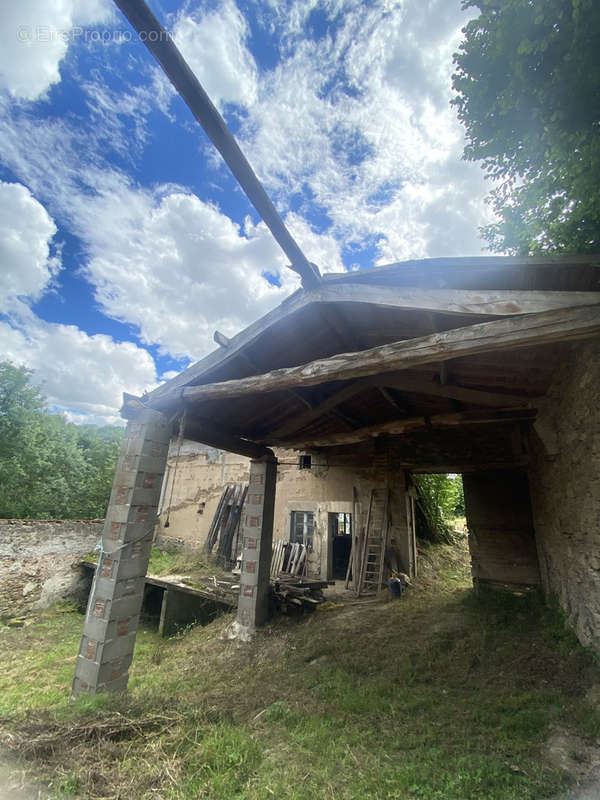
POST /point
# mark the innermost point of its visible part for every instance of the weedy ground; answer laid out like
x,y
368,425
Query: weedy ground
x,y
440,695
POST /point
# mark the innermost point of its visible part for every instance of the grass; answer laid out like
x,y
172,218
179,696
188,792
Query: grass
x,y
438,696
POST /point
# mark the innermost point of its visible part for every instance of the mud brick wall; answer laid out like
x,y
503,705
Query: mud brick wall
x,y
565,490
38,561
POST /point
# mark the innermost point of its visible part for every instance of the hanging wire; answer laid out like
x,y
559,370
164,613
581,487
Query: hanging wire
x,y
179,441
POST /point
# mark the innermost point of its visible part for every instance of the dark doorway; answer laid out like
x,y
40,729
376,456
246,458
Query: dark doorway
x,y
340,535
501,533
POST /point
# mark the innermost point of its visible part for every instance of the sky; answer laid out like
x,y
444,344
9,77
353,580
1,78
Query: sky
x,y
124,240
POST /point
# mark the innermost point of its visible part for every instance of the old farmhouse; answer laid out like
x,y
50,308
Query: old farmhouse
x,y
485,366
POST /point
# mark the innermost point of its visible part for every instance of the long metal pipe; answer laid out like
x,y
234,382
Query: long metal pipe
x,y
160,43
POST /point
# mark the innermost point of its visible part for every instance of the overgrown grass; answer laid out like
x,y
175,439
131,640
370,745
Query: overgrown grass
x,y
438,696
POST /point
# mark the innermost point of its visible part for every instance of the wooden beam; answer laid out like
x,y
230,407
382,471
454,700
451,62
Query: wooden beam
x,y
207,432
454,301
390,399
404,384
400,426
478,397
324,407
471,267
163,48
505,334
337,291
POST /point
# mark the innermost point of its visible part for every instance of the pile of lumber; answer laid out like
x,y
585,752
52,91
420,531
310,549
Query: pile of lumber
x,y
297,594
288,558
224,529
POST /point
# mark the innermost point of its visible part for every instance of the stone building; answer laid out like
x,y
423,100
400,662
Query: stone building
x,y
314,503
484,366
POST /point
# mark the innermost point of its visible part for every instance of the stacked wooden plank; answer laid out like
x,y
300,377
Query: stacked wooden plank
x,y
292,594
225,526
288,558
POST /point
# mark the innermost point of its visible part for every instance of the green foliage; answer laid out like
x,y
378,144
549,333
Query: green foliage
x,y
528,89
50,468
439,499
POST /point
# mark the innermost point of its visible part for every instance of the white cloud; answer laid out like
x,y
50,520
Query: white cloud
x,y
26,231
178,269
34,38
79,373
213,44
359,122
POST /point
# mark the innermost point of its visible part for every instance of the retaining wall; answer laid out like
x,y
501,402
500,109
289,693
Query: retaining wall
x,y
38,561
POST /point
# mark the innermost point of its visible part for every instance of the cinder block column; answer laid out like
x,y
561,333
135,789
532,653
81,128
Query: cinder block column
x,y
253,605
115,600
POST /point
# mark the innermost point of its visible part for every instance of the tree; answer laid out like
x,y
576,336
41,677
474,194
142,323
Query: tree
x,y
50,468
440,499
528,93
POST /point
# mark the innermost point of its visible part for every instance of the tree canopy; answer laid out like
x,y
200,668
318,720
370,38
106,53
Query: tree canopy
x,y
50,468
528,93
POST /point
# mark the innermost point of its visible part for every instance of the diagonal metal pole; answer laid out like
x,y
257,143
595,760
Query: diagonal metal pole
x,y
163,48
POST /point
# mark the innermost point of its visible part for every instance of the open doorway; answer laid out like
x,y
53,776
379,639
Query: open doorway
x,y
439,506
340,537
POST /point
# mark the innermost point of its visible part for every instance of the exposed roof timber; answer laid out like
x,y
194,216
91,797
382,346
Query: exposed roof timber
x,y
441,267
215,436
401,426
329,293
505,334
454,301
221,339
402,383
164,50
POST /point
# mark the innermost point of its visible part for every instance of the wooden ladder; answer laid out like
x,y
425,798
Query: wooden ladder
x,y
374,544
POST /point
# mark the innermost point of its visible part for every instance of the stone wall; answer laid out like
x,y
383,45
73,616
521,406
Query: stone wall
x,y
38,561
193,488
565,490
327,488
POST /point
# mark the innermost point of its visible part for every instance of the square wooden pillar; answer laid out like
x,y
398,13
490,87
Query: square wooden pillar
x,y
253,605
115,600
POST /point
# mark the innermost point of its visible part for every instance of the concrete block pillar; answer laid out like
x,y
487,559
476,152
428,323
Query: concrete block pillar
x,y
257,530
117,592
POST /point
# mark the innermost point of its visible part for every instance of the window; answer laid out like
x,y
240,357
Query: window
x,y
302,527
304,462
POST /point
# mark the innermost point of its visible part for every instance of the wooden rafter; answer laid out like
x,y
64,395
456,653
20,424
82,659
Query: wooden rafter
x,y
335,291
505,334
454,301
163,48
400,426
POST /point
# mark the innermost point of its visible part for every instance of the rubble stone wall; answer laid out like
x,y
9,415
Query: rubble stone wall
x,y
565,490
38,561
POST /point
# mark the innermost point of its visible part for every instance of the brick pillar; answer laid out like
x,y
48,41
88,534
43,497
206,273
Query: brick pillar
x,y
253,605
115,600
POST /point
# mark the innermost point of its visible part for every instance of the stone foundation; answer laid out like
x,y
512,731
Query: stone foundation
x,y
38,562
565,490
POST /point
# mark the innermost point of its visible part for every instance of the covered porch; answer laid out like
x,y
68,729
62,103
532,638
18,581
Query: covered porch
x,y
443,365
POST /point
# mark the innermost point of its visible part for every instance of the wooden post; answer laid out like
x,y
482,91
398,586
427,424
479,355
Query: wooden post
x,y
115,599
257,531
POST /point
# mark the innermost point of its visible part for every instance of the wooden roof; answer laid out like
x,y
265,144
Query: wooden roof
x,y
533,304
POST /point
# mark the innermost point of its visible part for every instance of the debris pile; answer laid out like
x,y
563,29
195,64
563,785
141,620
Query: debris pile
x,y
295,594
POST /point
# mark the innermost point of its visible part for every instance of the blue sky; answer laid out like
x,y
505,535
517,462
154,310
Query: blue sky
x,y
124,240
